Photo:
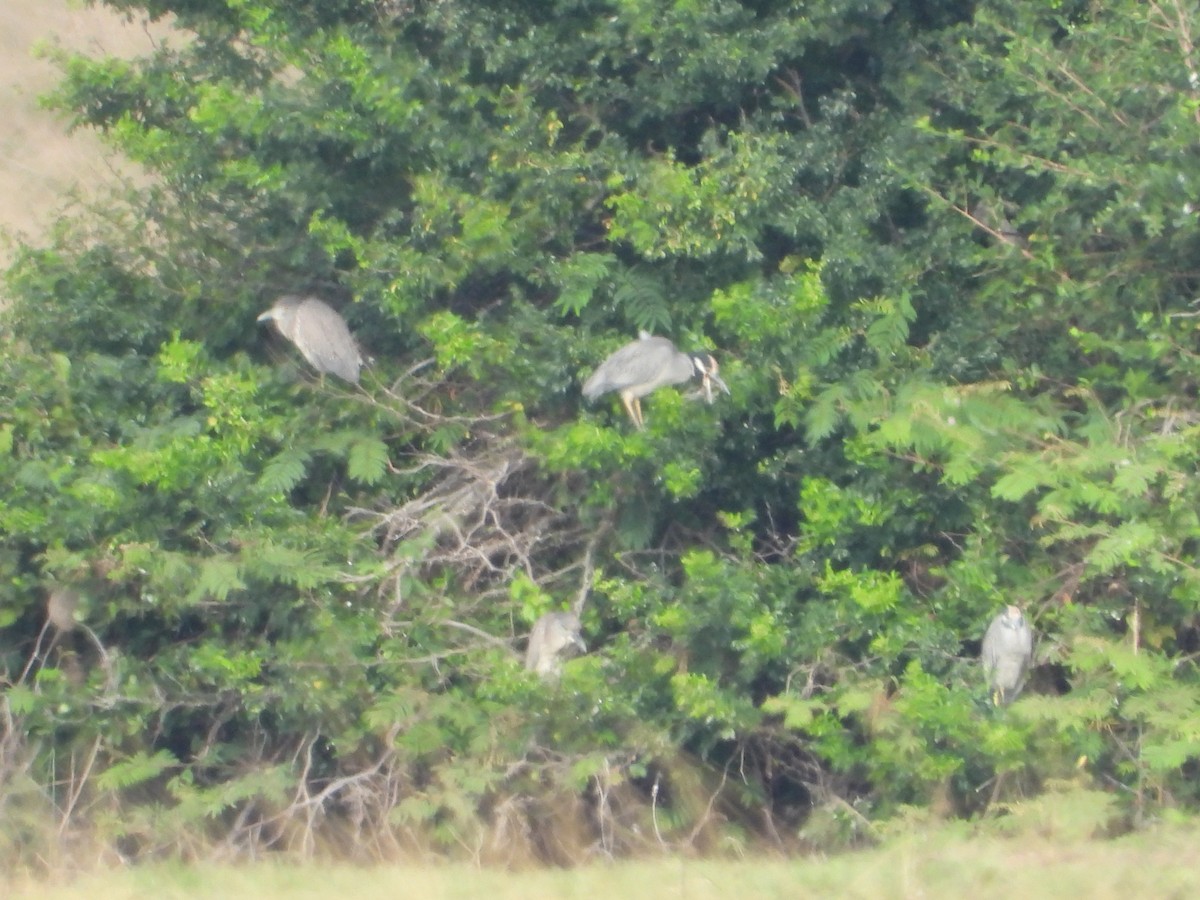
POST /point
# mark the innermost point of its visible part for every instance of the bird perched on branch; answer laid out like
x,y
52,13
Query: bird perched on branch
x,y
61,605
647,364
1006,654
319,333
555,637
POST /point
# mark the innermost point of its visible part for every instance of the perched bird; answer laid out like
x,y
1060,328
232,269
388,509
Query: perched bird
x,y
61,605
1006,654
996,223
647,364
555,637
62,608
319,333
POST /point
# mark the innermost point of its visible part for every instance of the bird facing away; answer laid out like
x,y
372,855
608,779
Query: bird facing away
x,y
319,333
1006,654
555,637
647,364
61,605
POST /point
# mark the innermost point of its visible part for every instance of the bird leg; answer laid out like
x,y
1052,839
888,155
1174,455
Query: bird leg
x,y
634,407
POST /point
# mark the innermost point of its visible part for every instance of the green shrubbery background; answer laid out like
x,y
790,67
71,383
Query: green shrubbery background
x,y
947,256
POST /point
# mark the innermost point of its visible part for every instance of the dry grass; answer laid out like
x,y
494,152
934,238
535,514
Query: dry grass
x,y
934,864
42,166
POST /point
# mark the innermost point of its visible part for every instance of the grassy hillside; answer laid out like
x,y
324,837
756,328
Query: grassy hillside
x,y
41,166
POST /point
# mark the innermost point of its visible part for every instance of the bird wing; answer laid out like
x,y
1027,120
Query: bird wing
x,y
320,326
637,363
534,654
1022,644
989,653
1007,654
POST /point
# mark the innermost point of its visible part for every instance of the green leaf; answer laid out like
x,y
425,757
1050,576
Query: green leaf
x,y
284,471
21,699
368,460
137,769
217,578
578,277
1018,483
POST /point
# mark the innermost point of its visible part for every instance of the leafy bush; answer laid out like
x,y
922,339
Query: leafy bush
x,y
946,262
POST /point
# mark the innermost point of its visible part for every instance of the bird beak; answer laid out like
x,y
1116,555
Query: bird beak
x,y
267,316
709,380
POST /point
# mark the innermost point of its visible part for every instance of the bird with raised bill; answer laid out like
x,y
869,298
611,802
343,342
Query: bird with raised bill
x,y
1006,654
555,637
319,333
647,364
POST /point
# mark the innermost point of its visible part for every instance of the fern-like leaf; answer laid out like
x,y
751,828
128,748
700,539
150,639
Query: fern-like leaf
x,y
578,277
367,461
642,297
218,577
137,769
284,472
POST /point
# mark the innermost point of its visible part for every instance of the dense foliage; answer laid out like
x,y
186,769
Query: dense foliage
x,y
947,258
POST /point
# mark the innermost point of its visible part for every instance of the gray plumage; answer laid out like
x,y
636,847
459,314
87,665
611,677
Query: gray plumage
x,y
61,606
319,333
995,221
647,364
1006,654
555,637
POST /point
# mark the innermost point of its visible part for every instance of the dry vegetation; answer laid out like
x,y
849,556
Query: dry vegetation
x,y
1156,864
42,168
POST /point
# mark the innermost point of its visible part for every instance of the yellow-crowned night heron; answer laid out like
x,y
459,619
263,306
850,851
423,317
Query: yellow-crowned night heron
x,y
555,637
61,605
1006,654
647,364
319,333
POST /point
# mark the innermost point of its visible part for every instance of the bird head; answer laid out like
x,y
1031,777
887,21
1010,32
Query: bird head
x,y
705,367
566,633
319,333
1013,617
555,637
282,309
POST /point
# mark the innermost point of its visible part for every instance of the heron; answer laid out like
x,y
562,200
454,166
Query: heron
x,y
647,364
555,637
319,333
996,222
62,603
62,607
1006,654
